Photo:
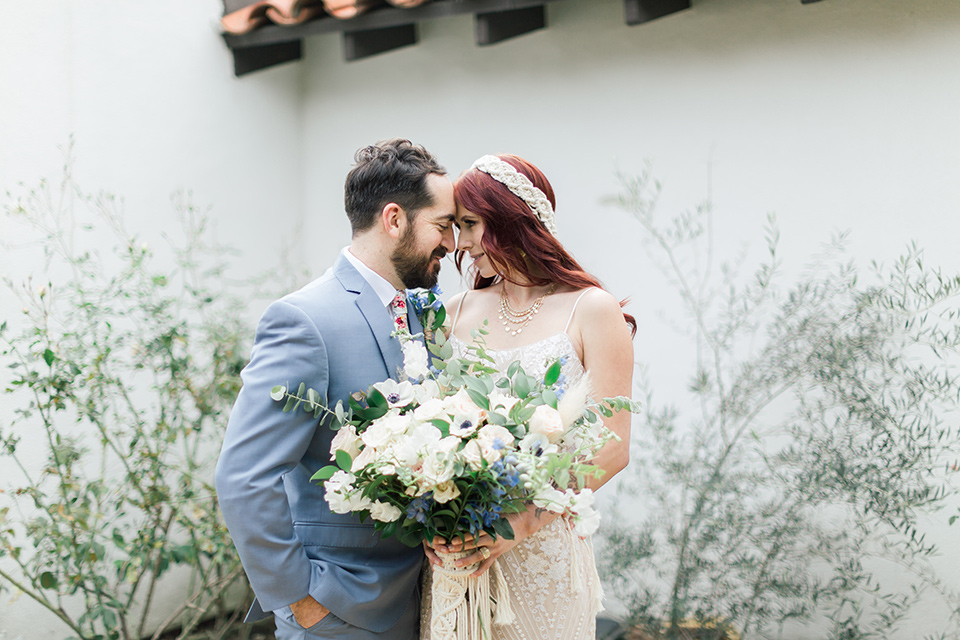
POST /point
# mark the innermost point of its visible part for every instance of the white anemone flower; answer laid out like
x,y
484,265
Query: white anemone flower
x,y
466,423
398,394
537,444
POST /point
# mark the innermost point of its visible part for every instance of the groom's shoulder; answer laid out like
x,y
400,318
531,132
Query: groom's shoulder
x,y
319,295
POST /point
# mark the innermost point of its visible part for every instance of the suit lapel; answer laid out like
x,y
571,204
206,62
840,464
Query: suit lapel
x,y
377,316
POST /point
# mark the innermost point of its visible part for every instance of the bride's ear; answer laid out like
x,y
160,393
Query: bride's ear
x,y
393,219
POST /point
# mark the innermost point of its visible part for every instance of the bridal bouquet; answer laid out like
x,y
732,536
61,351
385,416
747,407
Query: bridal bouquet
x,y
455,445
454,449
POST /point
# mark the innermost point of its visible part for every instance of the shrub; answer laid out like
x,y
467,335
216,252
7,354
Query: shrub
x,y
818,433
121,376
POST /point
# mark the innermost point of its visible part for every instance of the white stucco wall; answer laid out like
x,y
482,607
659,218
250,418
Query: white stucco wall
x,y
835,115
839,114
148,94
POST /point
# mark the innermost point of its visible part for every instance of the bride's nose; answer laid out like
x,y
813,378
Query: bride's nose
x,y
463,241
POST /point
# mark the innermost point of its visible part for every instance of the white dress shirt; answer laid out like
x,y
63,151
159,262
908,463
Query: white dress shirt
x,y
381,286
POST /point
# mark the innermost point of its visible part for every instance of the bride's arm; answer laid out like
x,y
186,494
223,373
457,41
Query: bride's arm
x,y
608,360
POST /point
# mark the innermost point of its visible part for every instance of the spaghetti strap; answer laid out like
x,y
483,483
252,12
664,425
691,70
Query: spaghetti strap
x,y
457,314
570,319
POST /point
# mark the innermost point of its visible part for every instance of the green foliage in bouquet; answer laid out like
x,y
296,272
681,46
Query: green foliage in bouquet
x,y
120,378
819,437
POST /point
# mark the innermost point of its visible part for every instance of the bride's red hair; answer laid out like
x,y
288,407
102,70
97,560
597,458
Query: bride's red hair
x,y
513,236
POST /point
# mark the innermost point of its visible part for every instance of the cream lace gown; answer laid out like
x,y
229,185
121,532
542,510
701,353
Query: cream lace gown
x,y
554,589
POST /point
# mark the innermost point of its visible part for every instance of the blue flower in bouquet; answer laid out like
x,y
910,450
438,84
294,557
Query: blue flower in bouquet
x,y
477,517
491,514
560,387
418,508
507,473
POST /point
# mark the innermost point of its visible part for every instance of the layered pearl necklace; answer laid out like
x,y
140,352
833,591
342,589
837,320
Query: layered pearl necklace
x,y
514,321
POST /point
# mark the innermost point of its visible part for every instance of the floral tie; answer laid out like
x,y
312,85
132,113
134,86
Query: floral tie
x,y
399,308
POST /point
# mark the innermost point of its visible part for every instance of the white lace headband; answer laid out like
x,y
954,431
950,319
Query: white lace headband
x,y
520,185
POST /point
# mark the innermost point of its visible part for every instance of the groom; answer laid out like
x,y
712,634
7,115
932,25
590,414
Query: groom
x,y
327,573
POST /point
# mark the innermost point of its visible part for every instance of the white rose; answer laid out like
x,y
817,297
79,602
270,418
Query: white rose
x,y
411,448
416,362
460,402
432,409
446,491
397,394
546,420
345,440
394,422
492,439
439,462
384,511
376,435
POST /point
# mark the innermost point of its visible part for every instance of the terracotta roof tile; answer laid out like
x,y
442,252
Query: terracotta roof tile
x,y
293,12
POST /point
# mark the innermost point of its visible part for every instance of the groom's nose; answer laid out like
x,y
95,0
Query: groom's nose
x,y
448,241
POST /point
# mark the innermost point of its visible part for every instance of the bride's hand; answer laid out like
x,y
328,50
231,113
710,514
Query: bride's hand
x,y
485,548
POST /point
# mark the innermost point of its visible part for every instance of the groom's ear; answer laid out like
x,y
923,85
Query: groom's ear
x,y
394,219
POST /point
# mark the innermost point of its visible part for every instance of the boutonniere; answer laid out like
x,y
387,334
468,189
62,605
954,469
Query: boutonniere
x,y
429,309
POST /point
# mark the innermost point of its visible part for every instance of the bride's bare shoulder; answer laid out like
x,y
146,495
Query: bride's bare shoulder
x,y
597,307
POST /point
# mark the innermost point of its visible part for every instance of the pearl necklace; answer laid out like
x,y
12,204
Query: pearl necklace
x,y
519,319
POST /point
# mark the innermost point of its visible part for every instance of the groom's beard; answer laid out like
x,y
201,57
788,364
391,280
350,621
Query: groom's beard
x,y
415,269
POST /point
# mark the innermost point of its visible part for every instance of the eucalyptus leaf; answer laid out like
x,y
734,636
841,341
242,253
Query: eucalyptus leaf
x,y
552,374
344,460
325,473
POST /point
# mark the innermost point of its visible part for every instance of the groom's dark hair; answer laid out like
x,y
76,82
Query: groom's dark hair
x,y
392,170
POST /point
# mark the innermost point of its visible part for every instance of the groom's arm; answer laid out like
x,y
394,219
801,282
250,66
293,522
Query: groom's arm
x,y
261,444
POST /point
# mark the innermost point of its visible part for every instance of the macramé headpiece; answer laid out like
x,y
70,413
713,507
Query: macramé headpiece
x,y
520,185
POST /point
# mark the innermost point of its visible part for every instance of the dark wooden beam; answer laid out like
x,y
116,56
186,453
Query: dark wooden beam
x,y
808,1
370,42
249,59
497,26
640,11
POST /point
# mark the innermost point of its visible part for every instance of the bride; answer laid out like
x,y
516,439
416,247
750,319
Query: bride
x,y
540,306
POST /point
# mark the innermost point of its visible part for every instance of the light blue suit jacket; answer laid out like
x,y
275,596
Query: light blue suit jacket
x,y
334,336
